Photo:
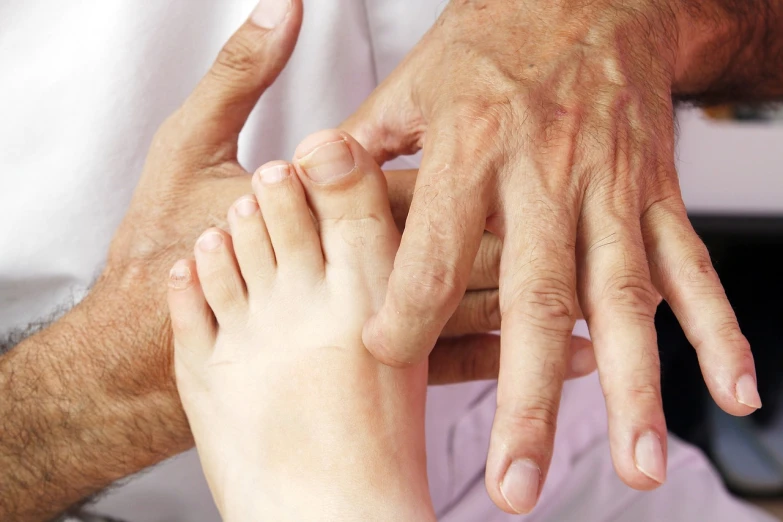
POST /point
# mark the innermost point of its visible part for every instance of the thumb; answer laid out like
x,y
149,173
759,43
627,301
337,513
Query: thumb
x,y
251,60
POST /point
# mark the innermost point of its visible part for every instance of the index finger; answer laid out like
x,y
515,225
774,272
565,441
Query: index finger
x,y
486,266
441,238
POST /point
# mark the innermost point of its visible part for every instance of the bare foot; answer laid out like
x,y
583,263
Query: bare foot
x,y
292,417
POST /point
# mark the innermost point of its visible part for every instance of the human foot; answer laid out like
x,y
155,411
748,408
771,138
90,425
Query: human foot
x,y
292,417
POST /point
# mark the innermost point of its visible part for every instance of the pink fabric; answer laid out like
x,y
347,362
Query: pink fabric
x,y
582,484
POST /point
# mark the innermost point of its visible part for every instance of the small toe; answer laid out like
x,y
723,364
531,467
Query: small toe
x,y
252,245
219,274
288,220
192,320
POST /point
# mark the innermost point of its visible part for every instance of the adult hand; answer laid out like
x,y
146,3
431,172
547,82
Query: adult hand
x,y
191,177
464,352
94,392
550,124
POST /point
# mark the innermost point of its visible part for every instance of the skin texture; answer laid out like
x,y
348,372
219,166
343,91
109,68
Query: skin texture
x,y
67,434
284,401
550,124
92,398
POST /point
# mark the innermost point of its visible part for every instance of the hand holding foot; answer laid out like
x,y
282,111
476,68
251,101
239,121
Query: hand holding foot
x,y
293,418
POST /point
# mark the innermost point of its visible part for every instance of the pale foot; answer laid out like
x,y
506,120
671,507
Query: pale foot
x,y
292,417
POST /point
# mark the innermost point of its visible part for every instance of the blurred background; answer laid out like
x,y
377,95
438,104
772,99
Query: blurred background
x,y
730,162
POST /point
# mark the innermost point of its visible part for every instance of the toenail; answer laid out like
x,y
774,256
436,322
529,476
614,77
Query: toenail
x,y
328,162
179,276
210,241
246,207
276,174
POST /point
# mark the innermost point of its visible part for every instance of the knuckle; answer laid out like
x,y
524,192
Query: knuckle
x,y
540,417
632,290
436,284
548,300
647,393
729,331
237,58
665,206
696,269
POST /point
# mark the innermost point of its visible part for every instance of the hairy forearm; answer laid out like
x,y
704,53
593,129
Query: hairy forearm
x,y
77,415
730,50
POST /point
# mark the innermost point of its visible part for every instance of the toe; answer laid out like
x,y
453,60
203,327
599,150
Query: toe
x,y
252,245
191,318
219,275
347,191
288,220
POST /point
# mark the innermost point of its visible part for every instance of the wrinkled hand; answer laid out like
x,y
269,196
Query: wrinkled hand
x,y
550,124
192,176
464,352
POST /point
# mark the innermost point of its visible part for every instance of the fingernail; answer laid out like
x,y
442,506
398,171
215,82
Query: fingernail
x,y
276,174
520,485
179,276
648,457
246,207
748,392
328,162
269,13
210,241
583,362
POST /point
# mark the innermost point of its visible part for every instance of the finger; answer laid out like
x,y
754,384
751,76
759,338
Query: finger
x,y
401,184
216,111
477,358
432,267
582,358
684,274
619,302
485,272
478,312
463,359
538,306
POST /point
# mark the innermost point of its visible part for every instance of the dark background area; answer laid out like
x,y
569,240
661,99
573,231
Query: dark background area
x,y
748,254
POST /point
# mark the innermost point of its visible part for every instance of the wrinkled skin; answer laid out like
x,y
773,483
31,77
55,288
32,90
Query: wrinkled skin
x,y
550,124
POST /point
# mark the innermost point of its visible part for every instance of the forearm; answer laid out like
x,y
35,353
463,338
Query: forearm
x,y
730,50
76,416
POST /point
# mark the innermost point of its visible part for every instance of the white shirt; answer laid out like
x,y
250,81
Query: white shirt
x,y
85,85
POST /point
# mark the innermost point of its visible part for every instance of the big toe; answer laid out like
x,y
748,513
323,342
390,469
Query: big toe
x,y
348,196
